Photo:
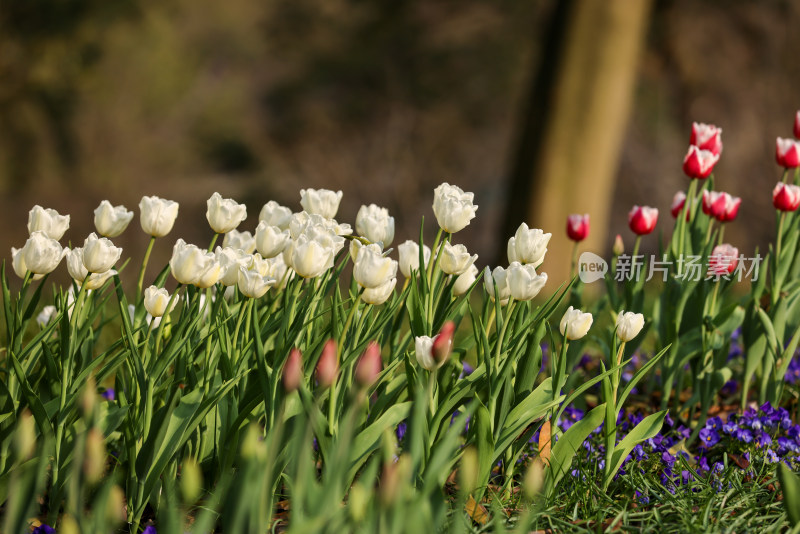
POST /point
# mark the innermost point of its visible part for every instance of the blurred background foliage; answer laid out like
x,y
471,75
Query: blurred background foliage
x,y
382,99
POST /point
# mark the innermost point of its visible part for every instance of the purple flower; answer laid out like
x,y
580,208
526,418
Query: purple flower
x,y
744,435
668,459
771,456
108,394
466,369
714,423
44,529
730,427
708,437
400,431
792,375
149,530
730,387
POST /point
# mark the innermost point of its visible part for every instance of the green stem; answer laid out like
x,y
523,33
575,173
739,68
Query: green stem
x,y
213,242
143,268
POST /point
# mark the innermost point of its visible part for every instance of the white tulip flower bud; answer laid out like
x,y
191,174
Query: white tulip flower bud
x,y
48,221
98,280
111,221
523,282
498,277
18,263
230,260
528,245
192,266
252,284
156,300
309,257
75,266
629,325
277,269
409,257
465,281
322,202
271,240
423,350
372,269
243,241
379,295
456,259
41,254
275,215
453,207
375,224
99,254
224,214
157,216
575,324
46,315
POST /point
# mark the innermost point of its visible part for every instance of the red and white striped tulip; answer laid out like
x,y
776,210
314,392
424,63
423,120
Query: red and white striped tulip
x,y
678,202
706,137
642,219
722,206
787,153
699,163
723,260
797,125
578,227
786,197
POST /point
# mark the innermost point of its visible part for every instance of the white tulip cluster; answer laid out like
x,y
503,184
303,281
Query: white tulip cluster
x,y
526,252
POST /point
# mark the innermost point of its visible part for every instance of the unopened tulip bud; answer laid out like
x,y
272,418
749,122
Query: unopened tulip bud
x,y
99,254
157,216
787,153
18,263
115,506
156,300
706,137
293,371
629,325
578,227
68,525
699,164
253,447
409,257
786,197
191,480
327,366
465,281
469,470
369,365
678,202
575,324
619,246
534,479
443,343
94,463
25,435
89,397
358,501
224,214
111,221
394,478
642,219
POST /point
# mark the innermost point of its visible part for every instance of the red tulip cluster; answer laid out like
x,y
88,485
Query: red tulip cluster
x,y
704,151
722,206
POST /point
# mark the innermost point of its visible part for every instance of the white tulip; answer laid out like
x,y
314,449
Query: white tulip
x,y
498,277
409,257
310,257
99,254
46,315
75,266
323,202
375,224
629,325
453,207
192,266
372,269
523,282
465,281
271,240
456,259
224,214
111,221
48,221
277,269
243,241
299,223
156,300
528,245
575,324
423,349
275,215
230,260
18,263
157,215
151,321
379,295
41,254
252,284
98,280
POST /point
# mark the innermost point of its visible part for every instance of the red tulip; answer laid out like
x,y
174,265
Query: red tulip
x,y
369,365
642,219
293,371
723,260
327,366
797,126
578,227
443,342
678,202
787,153
722,206
786,197
706,137
699,163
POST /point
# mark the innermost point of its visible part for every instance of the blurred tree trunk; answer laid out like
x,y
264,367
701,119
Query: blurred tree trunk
x,y
570,138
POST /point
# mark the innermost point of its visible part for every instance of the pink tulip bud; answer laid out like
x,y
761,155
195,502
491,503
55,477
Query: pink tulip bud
x,y
369,365
706,137
723,260
797,125
327,366
786,197
443,342
578,227
787,153
293,371
678,202
722,206
642,219
699,163
619,246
